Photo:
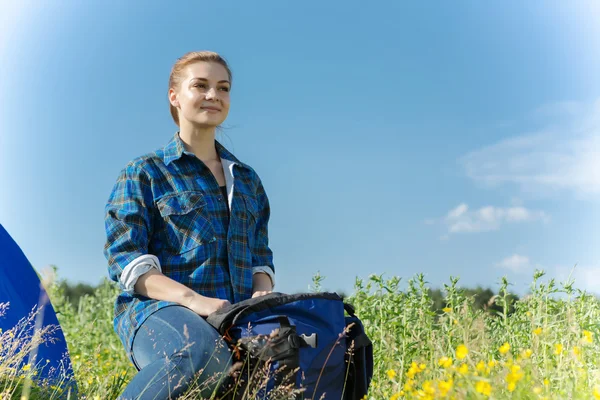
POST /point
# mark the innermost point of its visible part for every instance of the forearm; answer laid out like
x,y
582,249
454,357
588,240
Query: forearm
x,y
155,285
261,282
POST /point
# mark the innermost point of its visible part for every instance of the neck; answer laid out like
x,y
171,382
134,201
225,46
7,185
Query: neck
x,y
199,140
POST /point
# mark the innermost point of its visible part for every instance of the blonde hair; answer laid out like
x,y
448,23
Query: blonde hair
x,y
184,61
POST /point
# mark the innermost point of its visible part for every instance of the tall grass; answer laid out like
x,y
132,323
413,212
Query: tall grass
x,y
547,348
544,346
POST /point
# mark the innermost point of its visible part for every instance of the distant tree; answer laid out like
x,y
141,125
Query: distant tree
x,y
75,291
483,299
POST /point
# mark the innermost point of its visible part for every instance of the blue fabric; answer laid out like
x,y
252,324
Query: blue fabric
x,y
171,346
323,368
169,204
21,287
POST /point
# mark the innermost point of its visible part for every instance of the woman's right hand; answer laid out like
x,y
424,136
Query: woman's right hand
x,y
204,306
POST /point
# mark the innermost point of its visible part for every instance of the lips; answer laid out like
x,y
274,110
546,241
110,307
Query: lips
x,y
210,108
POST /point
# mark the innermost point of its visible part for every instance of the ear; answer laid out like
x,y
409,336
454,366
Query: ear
x,y
173,98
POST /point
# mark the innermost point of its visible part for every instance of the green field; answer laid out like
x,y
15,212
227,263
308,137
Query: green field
x,y
544,347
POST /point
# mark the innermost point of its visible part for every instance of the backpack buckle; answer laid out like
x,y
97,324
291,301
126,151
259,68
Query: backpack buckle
x,y
309,340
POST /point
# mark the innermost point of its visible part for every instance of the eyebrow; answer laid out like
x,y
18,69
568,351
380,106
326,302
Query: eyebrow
x,y
206,80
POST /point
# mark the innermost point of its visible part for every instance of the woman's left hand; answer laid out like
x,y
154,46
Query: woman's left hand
x,y
259,293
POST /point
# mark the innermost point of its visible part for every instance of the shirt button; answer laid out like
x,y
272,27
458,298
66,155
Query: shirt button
x,y
220,198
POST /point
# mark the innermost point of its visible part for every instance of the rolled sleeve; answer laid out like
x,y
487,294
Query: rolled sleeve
x,y
137,268
262,256
128,222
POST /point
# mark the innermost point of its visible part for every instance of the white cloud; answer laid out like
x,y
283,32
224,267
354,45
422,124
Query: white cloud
x,y
458,211
489,218
516,263
561,157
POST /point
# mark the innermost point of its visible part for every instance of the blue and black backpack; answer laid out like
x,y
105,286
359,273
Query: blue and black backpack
x,y
305,340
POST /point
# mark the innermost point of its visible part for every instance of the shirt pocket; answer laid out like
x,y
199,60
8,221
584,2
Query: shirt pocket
x,y
187,221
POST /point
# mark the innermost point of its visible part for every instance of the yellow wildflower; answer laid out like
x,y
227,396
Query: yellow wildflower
x,y
492,363
504,348
483,387
413,370
537,331
395,396
587,336
408,385
546,382
596,392
461,351
463,369
428,387
447,309
526,353
445,362
514,376
558,348
445,386
576,351
480,366
528,313
26,367
537,390
391,373
422,367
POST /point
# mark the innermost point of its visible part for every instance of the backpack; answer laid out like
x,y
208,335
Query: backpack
x,y
304,339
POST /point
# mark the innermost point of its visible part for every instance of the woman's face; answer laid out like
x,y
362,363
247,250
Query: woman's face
x,y
203,96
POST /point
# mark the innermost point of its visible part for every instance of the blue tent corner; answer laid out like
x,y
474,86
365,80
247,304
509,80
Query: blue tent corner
x,y
22,289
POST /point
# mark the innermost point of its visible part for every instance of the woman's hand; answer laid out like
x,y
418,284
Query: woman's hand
x,y
204,306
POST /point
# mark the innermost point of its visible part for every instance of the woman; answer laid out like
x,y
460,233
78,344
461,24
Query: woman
x,y
187,235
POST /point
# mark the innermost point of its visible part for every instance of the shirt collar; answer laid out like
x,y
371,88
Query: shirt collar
x,y
175,149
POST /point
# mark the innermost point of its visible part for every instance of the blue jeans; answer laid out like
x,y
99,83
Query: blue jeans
x,y
173,347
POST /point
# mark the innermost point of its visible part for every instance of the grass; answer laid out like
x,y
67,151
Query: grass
x,y
545,347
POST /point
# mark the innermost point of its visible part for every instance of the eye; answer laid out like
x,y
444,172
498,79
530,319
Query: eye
x,y
225,89
201,85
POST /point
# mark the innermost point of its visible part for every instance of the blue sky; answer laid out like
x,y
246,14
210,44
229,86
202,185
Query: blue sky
x,y
454,139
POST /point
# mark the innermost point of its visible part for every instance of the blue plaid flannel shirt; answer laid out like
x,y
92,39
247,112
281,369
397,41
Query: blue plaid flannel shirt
x,y
169,204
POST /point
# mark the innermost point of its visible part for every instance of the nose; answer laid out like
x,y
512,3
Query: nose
x,y
211,94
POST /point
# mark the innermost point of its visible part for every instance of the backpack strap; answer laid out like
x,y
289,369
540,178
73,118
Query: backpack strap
x,y
224,318
349,309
